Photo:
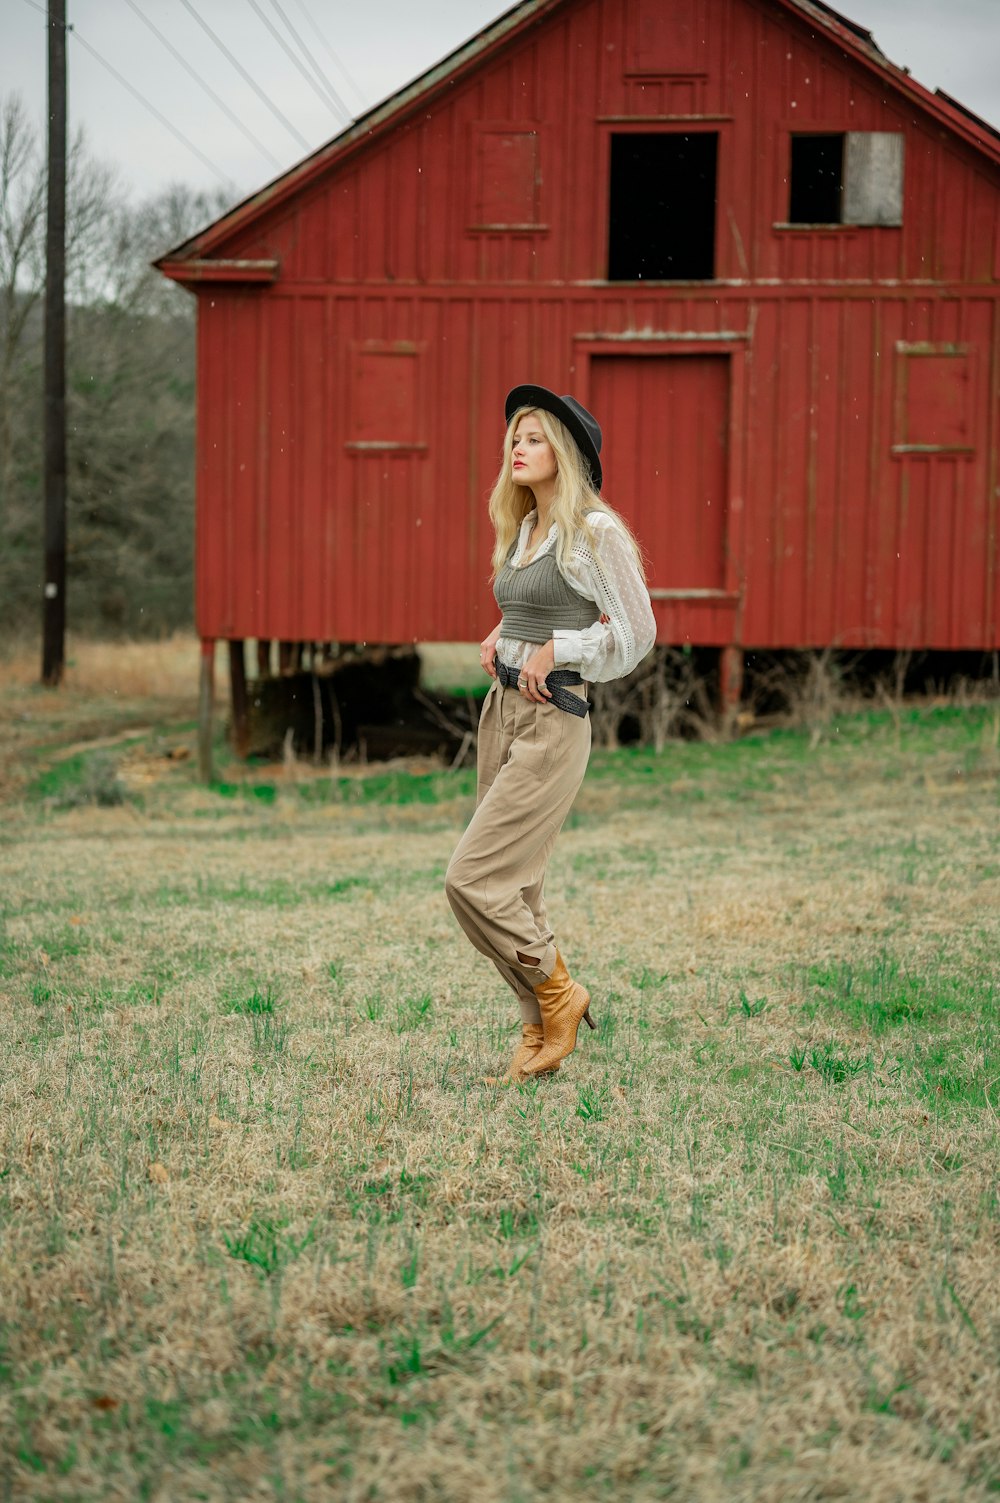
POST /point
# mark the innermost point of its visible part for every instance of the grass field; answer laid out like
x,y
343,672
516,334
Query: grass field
x,y
265,1235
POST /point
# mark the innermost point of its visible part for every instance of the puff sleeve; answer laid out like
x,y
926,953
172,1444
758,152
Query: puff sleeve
x,y
610,576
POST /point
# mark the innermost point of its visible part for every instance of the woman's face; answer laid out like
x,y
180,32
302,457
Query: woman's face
x,y
532,459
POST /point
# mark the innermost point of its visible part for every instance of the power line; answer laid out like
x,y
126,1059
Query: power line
x,y
206,86
342,108
310,59
222,176
335,59
245,75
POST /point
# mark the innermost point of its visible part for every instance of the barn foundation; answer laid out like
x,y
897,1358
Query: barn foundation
x,y
363,703
730,684
206,700
239,706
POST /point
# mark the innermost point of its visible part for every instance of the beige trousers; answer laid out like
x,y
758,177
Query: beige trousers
x,y
531,763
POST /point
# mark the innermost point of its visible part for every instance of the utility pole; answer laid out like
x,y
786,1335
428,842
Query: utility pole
x,y
54,601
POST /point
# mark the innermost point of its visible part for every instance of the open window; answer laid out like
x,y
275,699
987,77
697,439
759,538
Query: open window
x,y
662,206
847,177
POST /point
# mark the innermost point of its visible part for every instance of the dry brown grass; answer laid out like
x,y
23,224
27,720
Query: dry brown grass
x,y
265,1235
111,691
133,670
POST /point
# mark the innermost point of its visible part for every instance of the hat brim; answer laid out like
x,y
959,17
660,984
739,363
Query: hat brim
x,y
548,401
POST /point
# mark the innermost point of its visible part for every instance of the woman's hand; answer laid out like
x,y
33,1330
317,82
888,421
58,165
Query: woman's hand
x,y
487,650
531,679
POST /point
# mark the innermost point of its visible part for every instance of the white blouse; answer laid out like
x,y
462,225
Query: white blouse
x,y
608,649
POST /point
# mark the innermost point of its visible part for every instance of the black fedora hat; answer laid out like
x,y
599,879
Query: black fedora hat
x,y
584,427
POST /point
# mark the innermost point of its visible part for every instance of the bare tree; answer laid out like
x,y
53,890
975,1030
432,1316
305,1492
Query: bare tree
x,y
145,232
94,205
130,390
22,256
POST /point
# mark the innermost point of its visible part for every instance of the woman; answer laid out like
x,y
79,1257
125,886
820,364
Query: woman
x,y
568,579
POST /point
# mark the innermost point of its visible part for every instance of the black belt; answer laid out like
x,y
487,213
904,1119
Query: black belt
x,y
555,682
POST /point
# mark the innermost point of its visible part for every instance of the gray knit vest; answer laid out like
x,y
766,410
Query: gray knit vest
x,y
536,601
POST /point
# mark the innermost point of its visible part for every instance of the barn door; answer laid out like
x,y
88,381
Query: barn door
x,y
666,463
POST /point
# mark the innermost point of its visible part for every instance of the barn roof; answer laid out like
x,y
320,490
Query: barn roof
x,y
193,261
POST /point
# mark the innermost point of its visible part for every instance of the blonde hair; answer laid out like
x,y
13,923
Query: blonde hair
x,y
574,497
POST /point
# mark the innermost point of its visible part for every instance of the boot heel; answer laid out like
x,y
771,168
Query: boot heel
x,y
559,1002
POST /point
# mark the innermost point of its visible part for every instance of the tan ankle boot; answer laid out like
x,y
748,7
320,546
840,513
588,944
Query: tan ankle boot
x,y
532,1039
564,1005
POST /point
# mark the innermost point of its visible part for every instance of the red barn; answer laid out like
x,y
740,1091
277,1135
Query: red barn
x,y
760,252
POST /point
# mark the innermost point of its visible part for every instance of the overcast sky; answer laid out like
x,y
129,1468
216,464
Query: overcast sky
x,y
380,45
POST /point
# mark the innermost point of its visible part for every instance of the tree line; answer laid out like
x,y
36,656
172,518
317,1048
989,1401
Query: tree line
x,y
129,393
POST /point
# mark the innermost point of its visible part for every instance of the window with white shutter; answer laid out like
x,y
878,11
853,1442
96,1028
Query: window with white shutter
x,y
846,177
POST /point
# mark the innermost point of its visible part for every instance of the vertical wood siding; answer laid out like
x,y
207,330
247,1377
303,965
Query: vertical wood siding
x,y
313,522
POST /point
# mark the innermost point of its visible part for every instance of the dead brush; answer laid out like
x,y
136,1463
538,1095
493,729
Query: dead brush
x,y
665,696
805,690
890,686
823,696
610,703
966,691
672,700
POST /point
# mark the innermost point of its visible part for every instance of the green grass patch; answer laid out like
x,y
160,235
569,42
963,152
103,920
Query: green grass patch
x,y
253,792
885,993
260,1002
85,778
266,1244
